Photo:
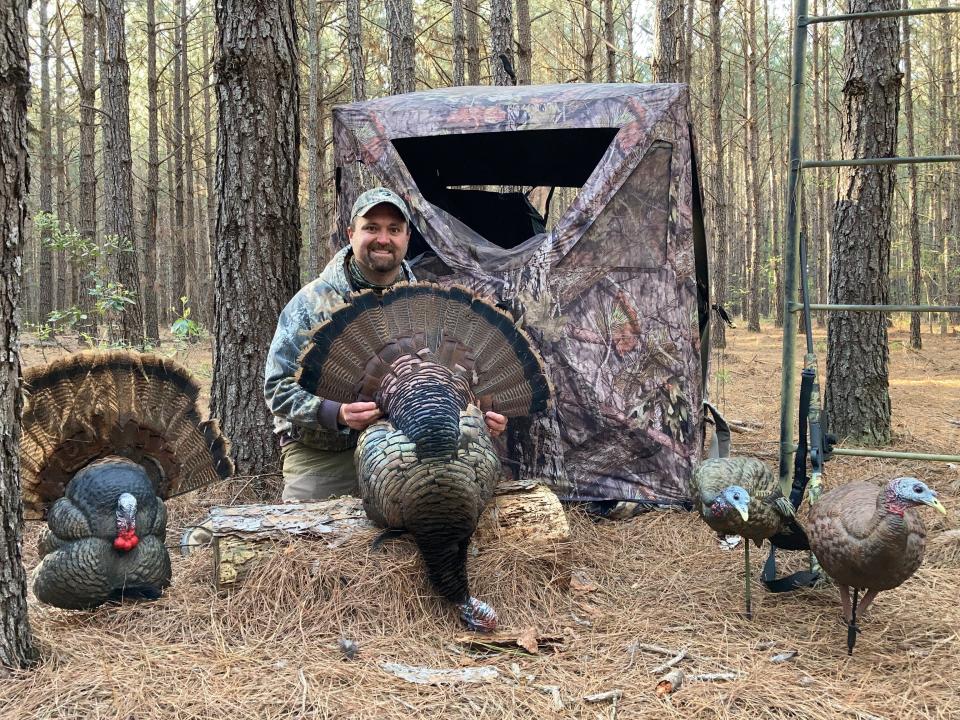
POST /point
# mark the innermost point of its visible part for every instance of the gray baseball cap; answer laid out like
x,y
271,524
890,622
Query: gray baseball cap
x,y
376,196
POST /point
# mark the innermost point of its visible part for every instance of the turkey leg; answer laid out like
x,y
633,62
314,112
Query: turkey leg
x,y
845,599
865,602
746,572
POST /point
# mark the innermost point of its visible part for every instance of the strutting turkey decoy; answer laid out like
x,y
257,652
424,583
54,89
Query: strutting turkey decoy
x,y
741,496
433,359
106,437
870,537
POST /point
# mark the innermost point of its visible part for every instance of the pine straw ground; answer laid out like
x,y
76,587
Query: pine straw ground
x,y
270,649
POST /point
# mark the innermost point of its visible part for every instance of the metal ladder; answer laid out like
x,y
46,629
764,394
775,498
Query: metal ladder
x,y
795,267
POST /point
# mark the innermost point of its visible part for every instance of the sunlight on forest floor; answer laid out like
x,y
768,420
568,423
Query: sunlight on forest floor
x,y
269,649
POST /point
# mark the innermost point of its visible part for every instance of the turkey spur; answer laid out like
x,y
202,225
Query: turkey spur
x,y
107,436
434,359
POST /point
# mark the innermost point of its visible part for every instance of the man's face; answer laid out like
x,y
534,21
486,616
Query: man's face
x,y
379,239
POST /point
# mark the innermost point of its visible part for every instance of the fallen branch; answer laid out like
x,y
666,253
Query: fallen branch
x,y
710,677
603,696
663,667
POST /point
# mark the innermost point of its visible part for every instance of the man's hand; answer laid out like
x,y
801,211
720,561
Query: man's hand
x,y
496,423
359,415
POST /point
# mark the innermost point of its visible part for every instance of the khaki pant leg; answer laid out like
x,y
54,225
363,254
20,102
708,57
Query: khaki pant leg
x,y
311,474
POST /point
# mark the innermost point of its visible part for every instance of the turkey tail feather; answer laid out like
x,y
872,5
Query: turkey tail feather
x,y
352,351
93,404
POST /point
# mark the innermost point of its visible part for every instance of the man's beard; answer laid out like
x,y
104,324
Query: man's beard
x,y
381,263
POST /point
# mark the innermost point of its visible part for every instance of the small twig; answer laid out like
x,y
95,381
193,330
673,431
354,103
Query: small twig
x,y
669,663
554,692
603,696
709,677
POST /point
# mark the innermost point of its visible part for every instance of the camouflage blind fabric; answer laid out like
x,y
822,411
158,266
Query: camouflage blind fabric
x,y
610,295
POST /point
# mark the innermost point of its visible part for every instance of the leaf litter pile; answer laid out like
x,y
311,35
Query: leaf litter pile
x,y
642,621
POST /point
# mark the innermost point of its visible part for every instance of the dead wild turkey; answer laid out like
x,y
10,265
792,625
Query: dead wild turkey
x,y
870,537
741,496
106,437
433,359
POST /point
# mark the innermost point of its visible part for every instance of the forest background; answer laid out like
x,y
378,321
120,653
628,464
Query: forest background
x,y
736,55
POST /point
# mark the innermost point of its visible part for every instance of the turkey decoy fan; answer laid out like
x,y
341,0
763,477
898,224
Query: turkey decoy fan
x,y
433,359
741,496
107,436
870,538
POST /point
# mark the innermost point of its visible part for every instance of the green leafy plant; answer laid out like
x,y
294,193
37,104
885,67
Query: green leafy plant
x,y
184,328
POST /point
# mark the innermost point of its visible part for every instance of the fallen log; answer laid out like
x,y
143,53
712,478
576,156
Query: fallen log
x,y
530,517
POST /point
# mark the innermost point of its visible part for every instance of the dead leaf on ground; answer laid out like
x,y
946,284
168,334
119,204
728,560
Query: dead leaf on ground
x,y
528,641
580,582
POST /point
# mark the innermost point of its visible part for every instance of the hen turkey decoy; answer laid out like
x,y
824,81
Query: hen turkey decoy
x,y
106,437
741,496
433,359
870,537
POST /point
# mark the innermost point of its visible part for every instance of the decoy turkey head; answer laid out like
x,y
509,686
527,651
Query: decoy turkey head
x,y
126,539
904,492
733,497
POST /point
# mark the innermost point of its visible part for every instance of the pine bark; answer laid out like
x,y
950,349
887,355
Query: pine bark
x,y
459,36
670,51
45,264
501,41
355,50
258,219
719,204
192,278
64,298
16,642
777,158
816,264
87,212
116,104
857,395
178,236
947,186
913,199
151,320
755,222
314,160
400,26
208,159
609,39
588,41
524,43
473,42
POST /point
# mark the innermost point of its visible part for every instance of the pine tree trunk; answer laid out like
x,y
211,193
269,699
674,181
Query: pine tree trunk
x,y
501,41
314,161
669,52
817,243
914,213
205,255
719,205
473,42
258,219
776,159
825,241
402,46
116,103
64,205
355,50
192,279
857,396
151,321
588,43
167,249
524,43
87,212
947,185
45,265
609,37
16,642
459,35
178,235
628,13
755,222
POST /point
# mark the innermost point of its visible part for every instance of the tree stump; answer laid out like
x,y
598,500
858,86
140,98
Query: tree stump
x,y
529,516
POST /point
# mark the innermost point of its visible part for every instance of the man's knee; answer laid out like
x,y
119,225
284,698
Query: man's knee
x,y
311,474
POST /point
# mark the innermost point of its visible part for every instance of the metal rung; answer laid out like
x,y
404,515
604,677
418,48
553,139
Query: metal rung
x,y
862,452
798,307
874,14
880,161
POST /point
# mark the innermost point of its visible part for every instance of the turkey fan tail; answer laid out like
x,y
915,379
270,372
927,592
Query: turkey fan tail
x,y
93,404
353,350
792,536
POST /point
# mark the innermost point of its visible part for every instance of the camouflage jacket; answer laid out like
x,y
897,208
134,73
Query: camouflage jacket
x,y
302,415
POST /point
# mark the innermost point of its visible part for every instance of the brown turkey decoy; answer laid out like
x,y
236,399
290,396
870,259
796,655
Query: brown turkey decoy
x,y
741,496
869,537
433,359
106,437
